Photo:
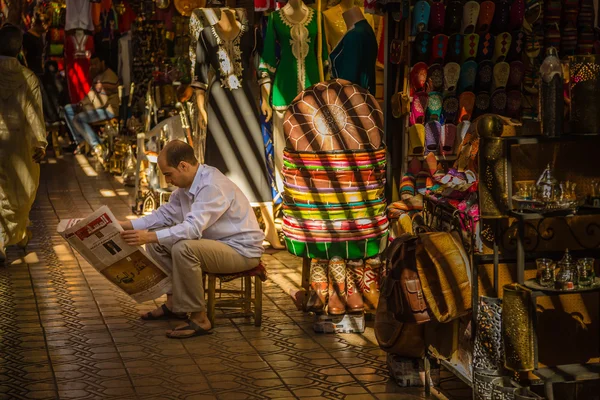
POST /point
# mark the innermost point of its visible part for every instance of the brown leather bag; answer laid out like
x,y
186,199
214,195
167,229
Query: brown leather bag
x,y
393,335
402,262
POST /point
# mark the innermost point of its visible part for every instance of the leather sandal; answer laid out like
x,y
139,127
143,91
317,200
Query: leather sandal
x,y
196,330
167,314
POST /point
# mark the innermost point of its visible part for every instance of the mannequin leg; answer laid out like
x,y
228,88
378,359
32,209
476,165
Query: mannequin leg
x,y
271,234
278,146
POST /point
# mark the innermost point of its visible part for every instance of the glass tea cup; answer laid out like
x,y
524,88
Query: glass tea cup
x,y
545,271
585,270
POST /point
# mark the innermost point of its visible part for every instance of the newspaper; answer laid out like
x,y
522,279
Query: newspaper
x,y
98,239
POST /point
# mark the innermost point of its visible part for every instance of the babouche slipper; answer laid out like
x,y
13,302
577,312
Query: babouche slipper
x,y
196,330
167,314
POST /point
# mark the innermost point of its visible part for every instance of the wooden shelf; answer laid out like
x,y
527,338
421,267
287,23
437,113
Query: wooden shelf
x,y
569,373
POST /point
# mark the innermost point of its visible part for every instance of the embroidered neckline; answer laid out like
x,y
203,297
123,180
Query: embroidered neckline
x,y
230,59
305,21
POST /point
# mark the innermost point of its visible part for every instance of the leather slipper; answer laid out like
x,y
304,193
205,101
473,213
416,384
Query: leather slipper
x,y
196,329
167,314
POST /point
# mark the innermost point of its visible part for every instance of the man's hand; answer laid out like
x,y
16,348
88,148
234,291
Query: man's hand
x,y
38,154
138,238
126,225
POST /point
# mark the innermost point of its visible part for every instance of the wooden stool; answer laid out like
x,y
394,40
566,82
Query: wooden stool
x,y
245,301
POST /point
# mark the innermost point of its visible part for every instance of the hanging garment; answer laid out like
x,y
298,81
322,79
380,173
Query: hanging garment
x,y
354,57
234,143
79,15
297,66
22,129
78,51
335,27
34,48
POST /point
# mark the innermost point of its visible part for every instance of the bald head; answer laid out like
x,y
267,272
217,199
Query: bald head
x,y
177,151
178,164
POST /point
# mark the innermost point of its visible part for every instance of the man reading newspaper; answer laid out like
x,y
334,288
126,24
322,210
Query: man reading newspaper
x,y
207,225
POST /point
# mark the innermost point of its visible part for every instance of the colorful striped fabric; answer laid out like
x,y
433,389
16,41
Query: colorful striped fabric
x,y
350,250
336,198
349,225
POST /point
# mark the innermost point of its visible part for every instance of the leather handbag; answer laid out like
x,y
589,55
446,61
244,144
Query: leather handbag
x,y
393,335
401,258
443,268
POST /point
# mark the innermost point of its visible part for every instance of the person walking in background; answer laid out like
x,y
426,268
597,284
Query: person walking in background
x,y
22,140
100,104
34,43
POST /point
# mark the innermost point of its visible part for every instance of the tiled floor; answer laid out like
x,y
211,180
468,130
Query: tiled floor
x,y
66,333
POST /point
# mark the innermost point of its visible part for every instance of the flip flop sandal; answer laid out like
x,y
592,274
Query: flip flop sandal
x,y
422,47
420,17
196,329
498,102
435,78
514,103
501,16
483,81
451,76
167,314
486,47
418,107
466,104
454,13
448,139
468,73
552,12
437,17
470,17
455,46
517,14
434,107
433,132
450,109
470,46
486,17
482,104
517,71
501,74
552,37
502,46
439,48
418,77
416,139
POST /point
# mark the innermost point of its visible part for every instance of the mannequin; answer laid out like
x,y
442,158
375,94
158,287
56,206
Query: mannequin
x,y
335,28
296,68
355,55
226,96
79,47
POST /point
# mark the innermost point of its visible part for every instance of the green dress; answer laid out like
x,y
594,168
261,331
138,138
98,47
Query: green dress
x,y
296,67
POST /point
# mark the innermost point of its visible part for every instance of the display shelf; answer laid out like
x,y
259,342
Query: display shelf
x,y
568,373
540,290
531,215
545,139
438,157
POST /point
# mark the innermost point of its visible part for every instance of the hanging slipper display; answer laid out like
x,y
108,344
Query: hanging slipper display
x,y
450,109
421,13
483,81
434,107
486,17
451,76
455,48
454,13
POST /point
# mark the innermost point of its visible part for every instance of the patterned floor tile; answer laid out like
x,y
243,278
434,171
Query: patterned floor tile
x,y
68,334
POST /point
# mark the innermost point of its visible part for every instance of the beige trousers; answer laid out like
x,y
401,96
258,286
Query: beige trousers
x,y
186,261
278,146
